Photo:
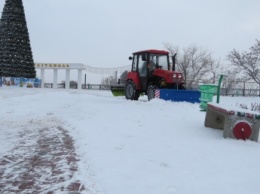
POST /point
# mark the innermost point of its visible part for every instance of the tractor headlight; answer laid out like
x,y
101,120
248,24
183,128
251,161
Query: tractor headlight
x,y
174,76
179,76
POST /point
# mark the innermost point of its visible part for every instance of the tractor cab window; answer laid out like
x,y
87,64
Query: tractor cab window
x,y
142,64
134,64
152,62
163,62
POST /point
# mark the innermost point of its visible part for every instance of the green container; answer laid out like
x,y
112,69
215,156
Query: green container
x,y
207,93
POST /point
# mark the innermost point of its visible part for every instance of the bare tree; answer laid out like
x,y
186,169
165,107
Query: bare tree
x,y
247,62
108,81
195,64
229,82
172,50
215,69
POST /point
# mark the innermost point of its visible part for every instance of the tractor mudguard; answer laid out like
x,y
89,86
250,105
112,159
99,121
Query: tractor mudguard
x,y
135,78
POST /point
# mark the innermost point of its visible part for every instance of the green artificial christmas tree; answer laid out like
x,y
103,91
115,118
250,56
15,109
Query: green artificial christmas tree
x,y
16,58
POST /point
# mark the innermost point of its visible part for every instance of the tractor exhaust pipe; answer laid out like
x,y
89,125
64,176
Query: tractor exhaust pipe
x,y
173,61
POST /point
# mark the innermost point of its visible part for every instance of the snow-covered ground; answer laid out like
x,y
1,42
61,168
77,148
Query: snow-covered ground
x,y
136,147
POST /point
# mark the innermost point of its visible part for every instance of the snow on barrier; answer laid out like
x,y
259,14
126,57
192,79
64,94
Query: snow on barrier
x,y
235,124
178,95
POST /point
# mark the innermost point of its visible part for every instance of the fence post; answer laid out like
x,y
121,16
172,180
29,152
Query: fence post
x,y
244,88
219,85
85,81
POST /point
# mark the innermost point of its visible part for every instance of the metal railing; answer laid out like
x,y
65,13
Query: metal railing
x,y
83,86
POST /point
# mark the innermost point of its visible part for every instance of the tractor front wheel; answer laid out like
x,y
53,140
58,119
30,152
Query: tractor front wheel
x,y
130,91
151,91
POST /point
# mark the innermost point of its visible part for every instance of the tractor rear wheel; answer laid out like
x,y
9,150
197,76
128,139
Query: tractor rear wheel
x,y
130,91
151,91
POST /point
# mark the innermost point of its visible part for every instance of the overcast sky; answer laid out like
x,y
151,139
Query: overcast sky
x,y
104,33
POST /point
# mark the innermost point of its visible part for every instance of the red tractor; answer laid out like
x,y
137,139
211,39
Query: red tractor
x,y
150,71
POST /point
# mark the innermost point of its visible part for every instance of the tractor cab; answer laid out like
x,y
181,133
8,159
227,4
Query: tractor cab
x,y
145,62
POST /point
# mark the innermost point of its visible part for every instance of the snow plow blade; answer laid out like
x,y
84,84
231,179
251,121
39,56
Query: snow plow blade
x,y
118,90
191,96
